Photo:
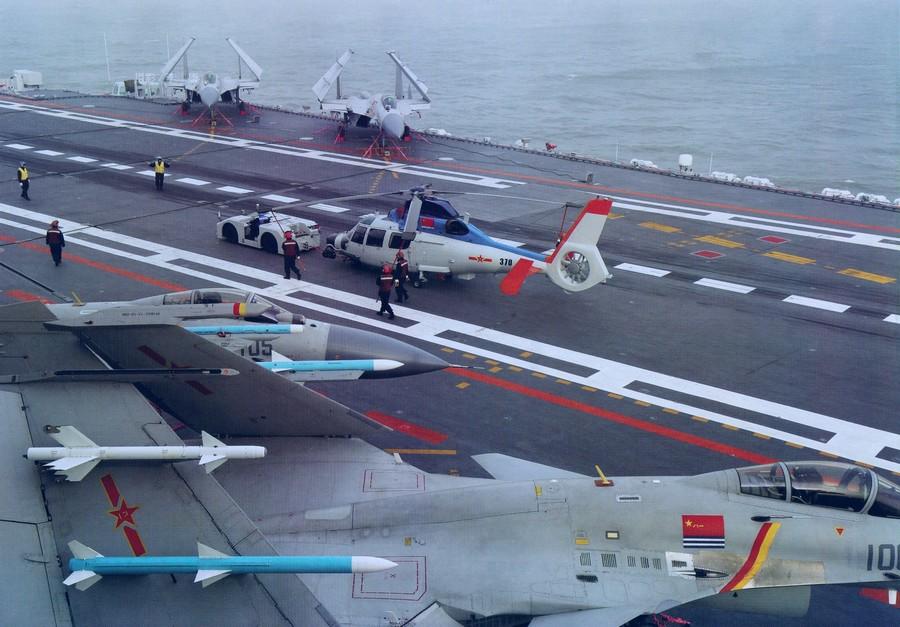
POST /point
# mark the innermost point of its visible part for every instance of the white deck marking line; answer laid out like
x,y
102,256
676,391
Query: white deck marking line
x,y
329,208
116,166
816,303
280,198
895,318
49,153
189,181
508,242
758,223
851,440
82,159
19,146
630,267
725,285
234,190
413,170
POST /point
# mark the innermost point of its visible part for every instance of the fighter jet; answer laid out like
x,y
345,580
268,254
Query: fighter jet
x,y
388,112
211,88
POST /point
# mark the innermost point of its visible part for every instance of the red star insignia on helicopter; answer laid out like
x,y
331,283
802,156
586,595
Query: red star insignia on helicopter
x,y
124,514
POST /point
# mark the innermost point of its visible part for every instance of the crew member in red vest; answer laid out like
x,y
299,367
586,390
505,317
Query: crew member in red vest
x,y
401,274
55,241
291,250
385,281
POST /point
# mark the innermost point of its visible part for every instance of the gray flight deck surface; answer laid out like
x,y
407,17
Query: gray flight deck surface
x,y
647,375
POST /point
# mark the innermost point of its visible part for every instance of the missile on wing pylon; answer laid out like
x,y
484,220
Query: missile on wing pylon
x,y
88,566
78,454
329,370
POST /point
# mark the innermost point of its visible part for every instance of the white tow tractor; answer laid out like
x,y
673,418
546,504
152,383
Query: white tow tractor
x,y
266,231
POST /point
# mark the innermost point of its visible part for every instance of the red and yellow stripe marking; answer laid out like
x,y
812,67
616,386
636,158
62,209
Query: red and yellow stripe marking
x,y
755,560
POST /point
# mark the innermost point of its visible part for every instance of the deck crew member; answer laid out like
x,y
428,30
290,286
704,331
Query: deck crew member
x,y
385,281
159,170
401,274
22,176
291,250
55,240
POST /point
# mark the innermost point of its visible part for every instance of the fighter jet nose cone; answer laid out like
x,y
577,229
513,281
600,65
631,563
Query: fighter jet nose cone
x,y
347,343
392,125
209,95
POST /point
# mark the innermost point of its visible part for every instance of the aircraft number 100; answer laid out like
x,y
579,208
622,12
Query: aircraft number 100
x,y
885,557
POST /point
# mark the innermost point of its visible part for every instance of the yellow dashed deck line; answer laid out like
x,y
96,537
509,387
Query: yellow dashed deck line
x,y
468,355
525,354
656,226
421,451
463,385
719,241
539,375
793,444
867,276
669,410
615,396
448,350
789,258
492,362
730,427
563,382
827,454
615,216
588,388
642,403
495,369
761,436
699,418
515,368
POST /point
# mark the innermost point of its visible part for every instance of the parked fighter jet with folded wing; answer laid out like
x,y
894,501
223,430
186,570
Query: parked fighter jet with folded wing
x,y
388,112
211,88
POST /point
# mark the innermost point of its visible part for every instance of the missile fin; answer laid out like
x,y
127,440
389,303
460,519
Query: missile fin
x,y
209,577
211,462
208,551
209,440
70,437
74,468
81,551
82,579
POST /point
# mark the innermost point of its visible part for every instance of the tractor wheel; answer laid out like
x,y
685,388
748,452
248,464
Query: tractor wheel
x,y
269,244
230,233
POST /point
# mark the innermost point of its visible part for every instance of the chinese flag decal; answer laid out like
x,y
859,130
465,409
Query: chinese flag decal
x,y
702,532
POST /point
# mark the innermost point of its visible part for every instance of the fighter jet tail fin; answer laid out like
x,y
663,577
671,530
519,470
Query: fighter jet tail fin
x,y
332,76
575,264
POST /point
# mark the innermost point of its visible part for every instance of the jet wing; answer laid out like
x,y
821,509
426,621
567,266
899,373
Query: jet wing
x,y
171,63
509,468
123,510
348,104
252,402
250,63
332,76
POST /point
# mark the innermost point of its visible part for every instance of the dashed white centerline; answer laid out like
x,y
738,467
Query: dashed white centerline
x,y
81,159
49,153
328,208
630,267
816,303
895,318
19,146
725,285
234,190
116,166
190,181
279,198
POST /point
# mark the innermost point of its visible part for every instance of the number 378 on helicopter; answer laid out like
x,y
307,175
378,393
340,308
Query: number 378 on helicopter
x,y
438,239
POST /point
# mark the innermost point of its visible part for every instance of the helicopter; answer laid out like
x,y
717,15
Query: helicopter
x,y
437,239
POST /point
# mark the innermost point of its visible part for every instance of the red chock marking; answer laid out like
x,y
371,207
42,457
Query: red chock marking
x,y
708,254
27,296
420,433
773,239
611,416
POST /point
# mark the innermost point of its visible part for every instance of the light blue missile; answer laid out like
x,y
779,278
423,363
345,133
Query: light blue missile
x,y
88,566
244,329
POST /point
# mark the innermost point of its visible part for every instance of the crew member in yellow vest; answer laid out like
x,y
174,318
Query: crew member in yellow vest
x,y
22,175
159,169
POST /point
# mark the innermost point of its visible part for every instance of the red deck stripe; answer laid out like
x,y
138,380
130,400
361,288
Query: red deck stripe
x,y
112,492
622,419
420,433
751,558
27,296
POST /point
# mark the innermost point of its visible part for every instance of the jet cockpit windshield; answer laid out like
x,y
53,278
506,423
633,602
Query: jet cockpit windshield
x,y
388,102
216,295
823,484
209,78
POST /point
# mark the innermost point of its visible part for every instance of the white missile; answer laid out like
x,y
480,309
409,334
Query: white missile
x,y
78,454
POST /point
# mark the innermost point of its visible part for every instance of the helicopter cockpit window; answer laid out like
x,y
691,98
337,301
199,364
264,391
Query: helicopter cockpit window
x,y
437,208
456,227
376,237
178,298
830,484
358,234
887,502
212,296
397,241
388,102
766,481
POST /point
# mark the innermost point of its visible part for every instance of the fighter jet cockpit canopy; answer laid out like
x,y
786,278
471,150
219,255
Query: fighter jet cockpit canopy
x,y
216,295
209,78
388,102
823,484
